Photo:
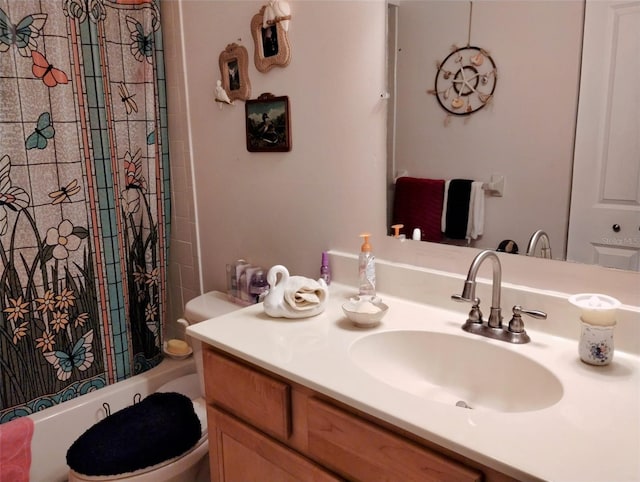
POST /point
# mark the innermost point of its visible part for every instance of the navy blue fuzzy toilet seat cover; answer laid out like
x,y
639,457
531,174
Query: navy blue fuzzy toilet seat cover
x,y
159,428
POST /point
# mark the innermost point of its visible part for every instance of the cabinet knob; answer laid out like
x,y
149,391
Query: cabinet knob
x,y
616,228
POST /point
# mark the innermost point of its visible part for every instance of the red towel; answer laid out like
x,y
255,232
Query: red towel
x,y
417,203
15,450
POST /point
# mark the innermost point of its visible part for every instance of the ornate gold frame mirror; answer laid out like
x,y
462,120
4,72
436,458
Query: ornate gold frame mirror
x,y
234,70
271,42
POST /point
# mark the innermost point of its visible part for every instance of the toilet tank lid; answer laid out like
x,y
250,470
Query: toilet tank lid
x,y
208,305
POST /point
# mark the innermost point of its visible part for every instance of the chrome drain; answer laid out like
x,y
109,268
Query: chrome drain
x,y
463,404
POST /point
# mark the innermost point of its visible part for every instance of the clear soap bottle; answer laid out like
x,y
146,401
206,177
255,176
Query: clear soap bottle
x,y
366,268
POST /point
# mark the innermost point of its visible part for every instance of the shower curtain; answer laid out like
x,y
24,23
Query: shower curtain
x,y
84,197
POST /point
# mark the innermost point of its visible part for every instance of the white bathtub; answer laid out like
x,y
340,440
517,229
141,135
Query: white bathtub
x,y
58,427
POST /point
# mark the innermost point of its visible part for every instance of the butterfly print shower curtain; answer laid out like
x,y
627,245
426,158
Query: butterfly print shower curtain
x,y
84,197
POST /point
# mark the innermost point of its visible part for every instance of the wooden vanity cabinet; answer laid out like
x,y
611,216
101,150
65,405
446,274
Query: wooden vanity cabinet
x,y
263,427
255,397
240,453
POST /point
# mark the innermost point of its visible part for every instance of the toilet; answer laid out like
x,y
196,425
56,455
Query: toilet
x,y
192,466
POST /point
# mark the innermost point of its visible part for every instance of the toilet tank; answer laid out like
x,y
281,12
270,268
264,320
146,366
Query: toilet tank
x,y
208,305
201,308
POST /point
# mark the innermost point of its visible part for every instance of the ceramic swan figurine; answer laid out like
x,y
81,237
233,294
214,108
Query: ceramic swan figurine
x,y
294,296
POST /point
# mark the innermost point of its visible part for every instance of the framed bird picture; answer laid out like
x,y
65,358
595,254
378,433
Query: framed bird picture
x,y
269,29
234,72
268,124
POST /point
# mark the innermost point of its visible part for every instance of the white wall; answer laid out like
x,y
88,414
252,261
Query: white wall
x,y
527,132
286,208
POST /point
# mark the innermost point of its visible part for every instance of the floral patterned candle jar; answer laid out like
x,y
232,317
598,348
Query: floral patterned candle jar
x,y
598,319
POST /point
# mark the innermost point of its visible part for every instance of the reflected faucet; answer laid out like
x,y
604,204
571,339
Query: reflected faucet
x,y
545,245
514,332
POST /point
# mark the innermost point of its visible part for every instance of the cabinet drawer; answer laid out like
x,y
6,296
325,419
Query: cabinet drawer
x,y
239,453
257,398
361,450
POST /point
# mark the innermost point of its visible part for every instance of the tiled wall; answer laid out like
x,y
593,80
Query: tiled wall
x,y
183,251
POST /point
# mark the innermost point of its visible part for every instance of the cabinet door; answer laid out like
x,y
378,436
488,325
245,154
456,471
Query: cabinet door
x,y
361,450
239,453
259,399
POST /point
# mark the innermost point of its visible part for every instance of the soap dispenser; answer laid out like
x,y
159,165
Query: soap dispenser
x,y
366,268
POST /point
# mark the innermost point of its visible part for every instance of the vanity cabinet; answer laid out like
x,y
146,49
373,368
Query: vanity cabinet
x,y
264,427
240,453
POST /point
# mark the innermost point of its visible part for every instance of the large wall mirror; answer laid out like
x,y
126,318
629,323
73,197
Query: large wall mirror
x,y
561,129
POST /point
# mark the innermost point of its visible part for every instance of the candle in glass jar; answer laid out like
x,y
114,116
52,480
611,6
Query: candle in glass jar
x,y
596,309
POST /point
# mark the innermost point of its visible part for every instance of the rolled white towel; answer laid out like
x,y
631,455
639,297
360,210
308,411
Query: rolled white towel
x,y
303,293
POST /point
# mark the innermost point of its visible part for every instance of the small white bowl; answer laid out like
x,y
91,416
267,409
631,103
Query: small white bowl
x,y
358,311
176,356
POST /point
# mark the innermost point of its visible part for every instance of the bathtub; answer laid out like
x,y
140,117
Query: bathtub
x,y
56,428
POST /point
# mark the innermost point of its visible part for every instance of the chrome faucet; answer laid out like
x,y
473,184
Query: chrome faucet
x,y
514,332
469,292
543,238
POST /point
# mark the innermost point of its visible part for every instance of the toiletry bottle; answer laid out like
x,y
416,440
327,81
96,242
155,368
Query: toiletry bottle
x,y
232,277
325,272
367,268
259,287
248,275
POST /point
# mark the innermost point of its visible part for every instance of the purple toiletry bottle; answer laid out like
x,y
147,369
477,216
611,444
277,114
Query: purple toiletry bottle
x,y
325,272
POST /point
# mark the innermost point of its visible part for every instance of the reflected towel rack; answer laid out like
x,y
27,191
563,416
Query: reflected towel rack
x,y
495,187
400,174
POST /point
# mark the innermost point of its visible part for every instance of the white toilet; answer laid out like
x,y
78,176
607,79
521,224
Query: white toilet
x,y
192,466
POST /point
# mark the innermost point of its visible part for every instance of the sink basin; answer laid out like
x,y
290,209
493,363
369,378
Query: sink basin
x,y
457,370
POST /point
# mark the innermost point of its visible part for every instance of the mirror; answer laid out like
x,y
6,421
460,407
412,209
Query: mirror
x,y
525,134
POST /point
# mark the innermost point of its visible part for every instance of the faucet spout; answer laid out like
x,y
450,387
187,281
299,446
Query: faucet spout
x,y
545,244
469,290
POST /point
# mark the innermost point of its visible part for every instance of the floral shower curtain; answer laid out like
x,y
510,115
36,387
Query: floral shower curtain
x,y
84,197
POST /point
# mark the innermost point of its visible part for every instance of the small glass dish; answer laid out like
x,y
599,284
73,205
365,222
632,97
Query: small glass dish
x,y
365,311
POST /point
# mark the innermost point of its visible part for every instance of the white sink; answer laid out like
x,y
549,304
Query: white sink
x,y
456,369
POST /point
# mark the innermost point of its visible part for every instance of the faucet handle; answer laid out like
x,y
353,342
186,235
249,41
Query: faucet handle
x,y
516,325
474,323
475,315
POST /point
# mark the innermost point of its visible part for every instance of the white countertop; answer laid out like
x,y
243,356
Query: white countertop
x,y
591,434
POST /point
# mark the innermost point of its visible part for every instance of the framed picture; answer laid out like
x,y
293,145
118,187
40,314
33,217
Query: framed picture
x,y
268,124
234,72
271,42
